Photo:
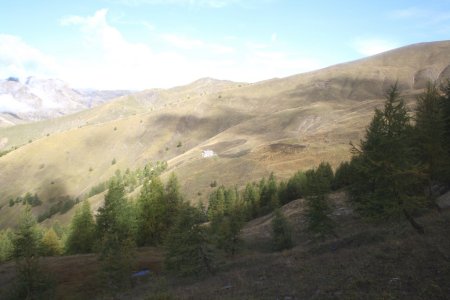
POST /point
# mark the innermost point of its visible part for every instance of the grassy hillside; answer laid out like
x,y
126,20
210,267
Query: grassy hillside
x,y
279,125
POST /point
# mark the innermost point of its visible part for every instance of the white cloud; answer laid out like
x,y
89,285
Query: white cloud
x,y
105,59
19,59
373,46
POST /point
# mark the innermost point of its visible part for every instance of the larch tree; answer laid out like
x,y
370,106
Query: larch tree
x,y
151,213
188,246
430,138
281,232
82,231
386,182
32,282
115,233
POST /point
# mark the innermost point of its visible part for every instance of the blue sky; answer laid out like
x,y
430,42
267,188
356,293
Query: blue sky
x,y
138,44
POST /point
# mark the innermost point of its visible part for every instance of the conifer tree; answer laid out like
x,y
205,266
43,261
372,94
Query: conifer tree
x,y
188,246
445,104
430,134
317,207
216,203
173,195
281,232
251,201
115,233
295,187
6,245
269,194
82,231
386,183
50,244
152,213
227,227
342,176
31,282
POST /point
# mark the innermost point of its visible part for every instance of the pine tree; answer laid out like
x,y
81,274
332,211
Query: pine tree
x,y
31,282
115,233
50,244
269,194
173,197
226,229
430,134
6,245
445,111
251,201
386,183
317,207
342,176
152,213
188,246
216,203
295,187
281,232
445,106
82,231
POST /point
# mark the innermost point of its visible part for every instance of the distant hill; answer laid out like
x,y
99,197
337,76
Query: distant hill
x,y
248,130
39,99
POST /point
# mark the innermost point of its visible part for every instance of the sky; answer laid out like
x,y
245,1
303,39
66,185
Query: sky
x,y
140,44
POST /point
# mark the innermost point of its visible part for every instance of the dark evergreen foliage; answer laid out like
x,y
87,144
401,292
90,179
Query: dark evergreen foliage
x,y
281,232
387,181
188,246
115,233
82,231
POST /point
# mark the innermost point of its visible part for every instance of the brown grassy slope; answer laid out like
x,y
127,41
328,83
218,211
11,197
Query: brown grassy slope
x,y
76,276
279,125
388,261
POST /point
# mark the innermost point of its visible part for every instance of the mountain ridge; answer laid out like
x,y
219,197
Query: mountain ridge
x,y
280,125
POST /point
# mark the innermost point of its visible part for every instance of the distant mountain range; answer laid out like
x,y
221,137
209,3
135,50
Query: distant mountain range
x,y
39,99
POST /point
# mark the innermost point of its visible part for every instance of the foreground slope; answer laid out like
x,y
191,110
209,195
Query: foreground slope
x,y
362,262
279,125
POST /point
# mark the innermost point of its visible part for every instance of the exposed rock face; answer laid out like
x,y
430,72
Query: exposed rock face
x,y
38,99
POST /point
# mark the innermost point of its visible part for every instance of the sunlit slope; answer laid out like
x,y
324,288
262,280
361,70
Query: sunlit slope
x,y
279,125
122,107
